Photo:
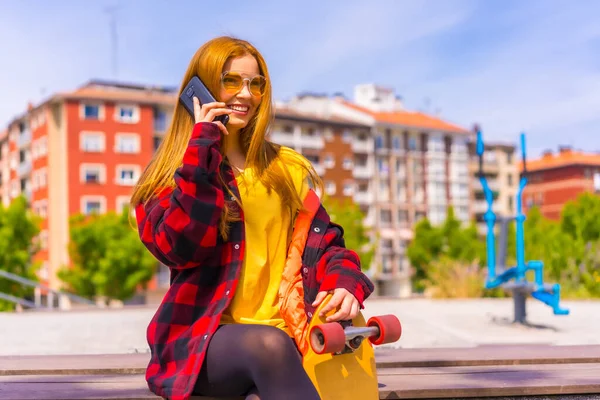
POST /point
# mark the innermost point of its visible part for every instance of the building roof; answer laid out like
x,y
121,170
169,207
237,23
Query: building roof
x,y
148,94
564,158
410,119
282,112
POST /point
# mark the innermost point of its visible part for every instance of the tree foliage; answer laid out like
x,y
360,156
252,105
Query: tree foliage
x,y
107,257
349,216
18,229
450,240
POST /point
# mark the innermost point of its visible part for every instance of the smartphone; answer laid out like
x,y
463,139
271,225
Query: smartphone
x,y
195,87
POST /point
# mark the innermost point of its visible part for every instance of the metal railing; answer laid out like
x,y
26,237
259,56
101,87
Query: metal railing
x,y
38,286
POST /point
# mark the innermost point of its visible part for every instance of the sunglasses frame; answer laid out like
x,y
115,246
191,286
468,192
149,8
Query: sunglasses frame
x,y
244,80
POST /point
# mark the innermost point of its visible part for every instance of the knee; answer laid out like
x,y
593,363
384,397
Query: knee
x,y
273,347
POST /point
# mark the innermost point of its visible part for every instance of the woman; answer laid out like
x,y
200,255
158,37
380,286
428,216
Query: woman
x,y
251,250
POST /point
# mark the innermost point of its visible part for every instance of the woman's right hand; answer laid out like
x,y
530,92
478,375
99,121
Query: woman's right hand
x,y
209,111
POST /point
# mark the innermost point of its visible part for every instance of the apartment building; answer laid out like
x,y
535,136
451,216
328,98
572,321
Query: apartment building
x,y
81,152
338,148
500,166
421,168
556,178
4,167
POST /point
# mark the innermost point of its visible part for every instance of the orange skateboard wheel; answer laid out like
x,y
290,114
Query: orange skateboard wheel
x,y
389,327
327,338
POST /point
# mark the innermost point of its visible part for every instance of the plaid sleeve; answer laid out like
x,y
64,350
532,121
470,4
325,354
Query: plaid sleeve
x,y
339,267
180,225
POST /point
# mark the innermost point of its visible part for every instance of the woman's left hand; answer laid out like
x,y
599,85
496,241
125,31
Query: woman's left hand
x,y
347,303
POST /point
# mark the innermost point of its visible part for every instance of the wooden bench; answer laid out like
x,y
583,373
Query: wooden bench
x,y
502,371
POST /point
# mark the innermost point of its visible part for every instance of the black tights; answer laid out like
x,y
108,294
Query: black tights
x,y
257,361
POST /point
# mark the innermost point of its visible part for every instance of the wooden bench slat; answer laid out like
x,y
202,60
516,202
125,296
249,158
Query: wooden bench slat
x,y
80,387
484,381
488,355
386,358
395,383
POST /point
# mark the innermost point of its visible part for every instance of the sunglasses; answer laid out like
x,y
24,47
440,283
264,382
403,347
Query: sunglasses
x,y
233,82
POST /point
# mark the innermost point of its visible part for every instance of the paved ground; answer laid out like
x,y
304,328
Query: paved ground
x,y
426,323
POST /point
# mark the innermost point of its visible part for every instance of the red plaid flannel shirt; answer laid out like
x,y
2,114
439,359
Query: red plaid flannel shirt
x,y
180,228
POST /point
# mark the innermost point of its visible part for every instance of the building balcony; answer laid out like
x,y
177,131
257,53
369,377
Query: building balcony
x,y
282,138
383,196
319,169
480,207
492,184
361,146
363,171
24,169
312,142
363,197
24,139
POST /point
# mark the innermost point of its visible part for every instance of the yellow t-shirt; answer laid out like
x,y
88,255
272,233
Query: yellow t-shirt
x,y
267,232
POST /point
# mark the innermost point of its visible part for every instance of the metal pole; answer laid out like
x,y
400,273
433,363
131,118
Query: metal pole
x,y
519,299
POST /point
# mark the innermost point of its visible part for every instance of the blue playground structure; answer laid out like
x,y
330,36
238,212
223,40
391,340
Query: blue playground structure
x,y
514,278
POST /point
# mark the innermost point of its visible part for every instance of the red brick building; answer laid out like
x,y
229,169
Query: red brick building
x,y
556,178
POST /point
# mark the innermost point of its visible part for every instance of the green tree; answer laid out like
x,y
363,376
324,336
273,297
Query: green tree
x,y
451,240
349,216
107,257
18,228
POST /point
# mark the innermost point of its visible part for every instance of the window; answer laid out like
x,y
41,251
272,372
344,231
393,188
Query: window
x,y
383,166
92,176
91,111
127,113
160,120
121,203
412,143
127,143
329,161
396,143
402,217
93,173
347,136
510,179
330,188
127,174
378,142
387,244
348,163
92,142
386,216
93,205
348,189
42,146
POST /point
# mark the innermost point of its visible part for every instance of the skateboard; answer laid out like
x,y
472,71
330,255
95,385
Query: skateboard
x,y
340,359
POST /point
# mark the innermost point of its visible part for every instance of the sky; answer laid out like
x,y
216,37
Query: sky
x,y
511,66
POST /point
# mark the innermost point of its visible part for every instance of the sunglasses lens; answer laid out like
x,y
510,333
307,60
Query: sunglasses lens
x,y
257,85
234,82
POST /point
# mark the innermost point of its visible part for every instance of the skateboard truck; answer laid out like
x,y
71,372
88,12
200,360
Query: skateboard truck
x,y
334,337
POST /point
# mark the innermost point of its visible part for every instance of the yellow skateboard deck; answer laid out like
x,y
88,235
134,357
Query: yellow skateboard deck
x,y
346,376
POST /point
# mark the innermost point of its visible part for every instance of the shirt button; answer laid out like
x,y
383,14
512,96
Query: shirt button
x,y
305,270
205,337
309,314
227,293
232,198
317,229
237,247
